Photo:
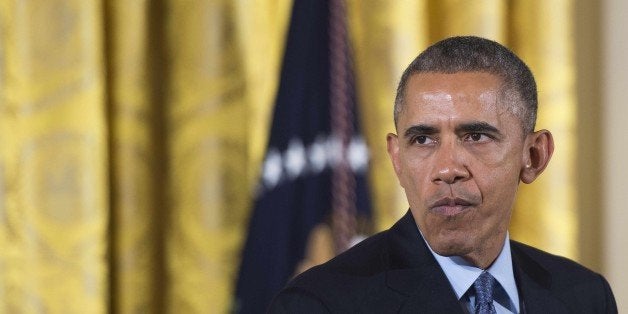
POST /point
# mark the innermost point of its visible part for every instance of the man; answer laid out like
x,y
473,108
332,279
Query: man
x,y
464,112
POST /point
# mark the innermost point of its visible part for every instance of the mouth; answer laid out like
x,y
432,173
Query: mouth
x,y
450,206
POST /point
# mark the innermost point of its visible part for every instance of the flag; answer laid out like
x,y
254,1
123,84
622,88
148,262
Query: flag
x,y
314,171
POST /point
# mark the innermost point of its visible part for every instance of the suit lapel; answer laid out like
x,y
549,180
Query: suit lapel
x,y
415,273
430,293
534,284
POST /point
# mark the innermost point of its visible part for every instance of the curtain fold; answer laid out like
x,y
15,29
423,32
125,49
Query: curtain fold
x,y
545,213
132,133
54,202
138,204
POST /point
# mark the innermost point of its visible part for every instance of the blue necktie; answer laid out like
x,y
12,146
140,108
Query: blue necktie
x,y
484,294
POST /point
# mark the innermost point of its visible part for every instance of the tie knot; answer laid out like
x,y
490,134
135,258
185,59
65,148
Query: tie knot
x,y
484,287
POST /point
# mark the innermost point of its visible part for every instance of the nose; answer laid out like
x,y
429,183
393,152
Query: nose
x,y
449,164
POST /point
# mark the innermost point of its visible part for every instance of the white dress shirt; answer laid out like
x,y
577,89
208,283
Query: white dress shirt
x,y
462,274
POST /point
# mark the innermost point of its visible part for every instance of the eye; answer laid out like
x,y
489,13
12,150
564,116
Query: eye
x,y
422,140
476,137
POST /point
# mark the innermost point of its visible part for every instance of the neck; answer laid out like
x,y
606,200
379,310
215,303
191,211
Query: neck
x,y
484,257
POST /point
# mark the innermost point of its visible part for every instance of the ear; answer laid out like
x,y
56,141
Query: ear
x,y
392,142
539,149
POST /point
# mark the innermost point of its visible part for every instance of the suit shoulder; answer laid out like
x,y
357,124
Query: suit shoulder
x,y
366,258
580,288
553,263
567,275
346,279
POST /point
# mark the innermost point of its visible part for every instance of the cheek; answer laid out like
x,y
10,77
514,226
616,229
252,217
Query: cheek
x,y
499,165
414,177
498,189
497,178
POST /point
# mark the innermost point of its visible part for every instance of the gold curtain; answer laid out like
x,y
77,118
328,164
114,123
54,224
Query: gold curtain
x,y
54,200
131,135
546,212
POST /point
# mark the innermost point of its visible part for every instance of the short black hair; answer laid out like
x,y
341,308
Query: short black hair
x,y
476,54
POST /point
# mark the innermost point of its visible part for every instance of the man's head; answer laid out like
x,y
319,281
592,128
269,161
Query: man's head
x,y
462,149
475,54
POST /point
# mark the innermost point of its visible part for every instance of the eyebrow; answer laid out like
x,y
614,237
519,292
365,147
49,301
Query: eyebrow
x,y
420,129
477,127
470,127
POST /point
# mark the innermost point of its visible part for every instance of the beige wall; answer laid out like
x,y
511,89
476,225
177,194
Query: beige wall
x,y
615,140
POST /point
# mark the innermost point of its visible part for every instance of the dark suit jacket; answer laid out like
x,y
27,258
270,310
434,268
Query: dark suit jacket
x,y
394,271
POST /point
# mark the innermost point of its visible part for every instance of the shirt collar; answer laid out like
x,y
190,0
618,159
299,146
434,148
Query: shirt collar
x,y
461,274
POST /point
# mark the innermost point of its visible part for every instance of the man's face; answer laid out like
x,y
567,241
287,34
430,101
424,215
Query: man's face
x,y
459,155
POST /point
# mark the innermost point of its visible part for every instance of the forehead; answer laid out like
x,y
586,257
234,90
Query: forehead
x,y
456,96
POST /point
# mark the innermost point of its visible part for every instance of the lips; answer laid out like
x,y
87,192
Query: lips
x,y
449,206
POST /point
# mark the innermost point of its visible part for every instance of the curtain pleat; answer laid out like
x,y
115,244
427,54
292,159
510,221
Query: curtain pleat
x,y
458,17
54,205
546,212
138,203
208,122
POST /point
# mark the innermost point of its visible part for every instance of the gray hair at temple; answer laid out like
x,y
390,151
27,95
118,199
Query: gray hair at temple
x,y
475,54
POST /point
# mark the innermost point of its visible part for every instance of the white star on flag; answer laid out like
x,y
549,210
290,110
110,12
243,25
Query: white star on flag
x,y
295,158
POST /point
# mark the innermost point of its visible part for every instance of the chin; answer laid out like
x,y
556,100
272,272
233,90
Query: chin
x,y
452,247
453,252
